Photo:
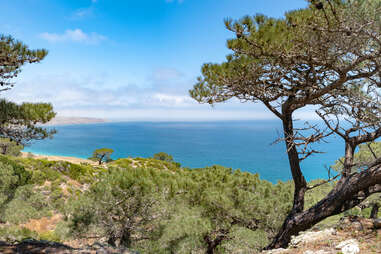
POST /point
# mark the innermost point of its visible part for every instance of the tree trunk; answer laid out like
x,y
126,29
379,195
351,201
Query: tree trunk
x,y
100,160
290,226
214,243
349,192
374,212
4,149
293,158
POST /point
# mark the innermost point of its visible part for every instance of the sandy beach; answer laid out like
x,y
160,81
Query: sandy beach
x,y
60,120
59,158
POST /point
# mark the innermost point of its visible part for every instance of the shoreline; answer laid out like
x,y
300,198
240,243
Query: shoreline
x,y
60,121
70,159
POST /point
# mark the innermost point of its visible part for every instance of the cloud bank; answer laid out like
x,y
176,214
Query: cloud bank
x,y
164,98
75,35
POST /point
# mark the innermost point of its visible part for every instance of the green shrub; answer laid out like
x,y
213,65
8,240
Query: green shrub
x,y
152,209
8,147
12,176
163,157
49,236
14,233
26,204
19,170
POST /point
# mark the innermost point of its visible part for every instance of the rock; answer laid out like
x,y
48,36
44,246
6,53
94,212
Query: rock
x,y
307,237
38,247
277,251
357,226
377,223
350,246
317,252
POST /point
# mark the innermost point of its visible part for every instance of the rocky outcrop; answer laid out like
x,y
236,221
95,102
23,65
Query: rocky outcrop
x,y
352,235
350,246
308,237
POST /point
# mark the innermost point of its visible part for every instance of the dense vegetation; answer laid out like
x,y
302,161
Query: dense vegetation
x,y
149,205
325,57
9,147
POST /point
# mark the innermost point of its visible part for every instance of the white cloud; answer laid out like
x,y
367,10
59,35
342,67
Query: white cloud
x,y
165,100
75,35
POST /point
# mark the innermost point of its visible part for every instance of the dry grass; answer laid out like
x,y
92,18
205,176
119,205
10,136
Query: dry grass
x,y
44,224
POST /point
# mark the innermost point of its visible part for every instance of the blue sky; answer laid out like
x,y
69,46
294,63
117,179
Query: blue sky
x,y
128,59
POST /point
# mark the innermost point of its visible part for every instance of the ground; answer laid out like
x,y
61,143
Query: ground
x,y
360,229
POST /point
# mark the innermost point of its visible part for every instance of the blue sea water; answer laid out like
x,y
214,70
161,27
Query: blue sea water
x,y
245,145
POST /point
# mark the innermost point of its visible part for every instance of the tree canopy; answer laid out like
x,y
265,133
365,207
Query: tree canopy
x,y
13,55
162,156
9,147
18,123
102,155
327,56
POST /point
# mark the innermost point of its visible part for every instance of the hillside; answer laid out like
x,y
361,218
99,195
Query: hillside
x,y
147,205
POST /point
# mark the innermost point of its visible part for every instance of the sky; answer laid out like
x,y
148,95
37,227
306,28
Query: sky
x,y
128,59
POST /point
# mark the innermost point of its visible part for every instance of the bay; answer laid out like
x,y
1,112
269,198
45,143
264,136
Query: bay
x,y
244,145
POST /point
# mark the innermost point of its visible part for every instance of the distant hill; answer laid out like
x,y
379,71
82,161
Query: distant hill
x,y
74,120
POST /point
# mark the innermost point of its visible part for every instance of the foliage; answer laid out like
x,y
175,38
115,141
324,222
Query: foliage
x,y
146,163
366,153
166,157
31,189
13,55
18,201
144,204
102,154
163,157
14,233
44,170
19,122
25,205
12,176
326,56
9,147
179,211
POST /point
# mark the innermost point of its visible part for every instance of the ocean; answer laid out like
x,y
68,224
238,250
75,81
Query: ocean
x,y
244,145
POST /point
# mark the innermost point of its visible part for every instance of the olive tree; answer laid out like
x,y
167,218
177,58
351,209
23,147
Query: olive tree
x,y
326,57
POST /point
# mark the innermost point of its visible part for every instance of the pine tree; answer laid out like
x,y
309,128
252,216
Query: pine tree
x,y
13,55
18,122
327,56
102,154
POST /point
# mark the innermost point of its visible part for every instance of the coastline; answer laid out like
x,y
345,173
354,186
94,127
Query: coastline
x,y
70,159
60,120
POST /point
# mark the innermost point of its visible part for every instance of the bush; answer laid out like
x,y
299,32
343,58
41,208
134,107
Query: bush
x,y
8,147
181,211
12,176
13,233
26,204
163,157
